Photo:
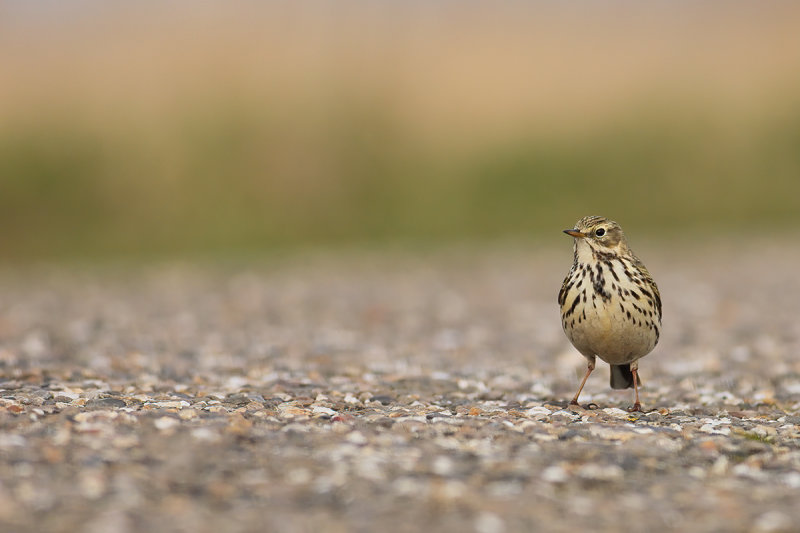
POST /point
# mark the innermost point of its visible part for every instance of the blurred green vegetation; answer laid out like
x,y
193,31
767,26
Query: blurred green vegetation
x,y
139,131
239,178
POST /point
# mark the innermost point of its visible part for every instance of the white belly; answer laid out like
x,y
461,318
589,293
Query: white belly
x,y
611,335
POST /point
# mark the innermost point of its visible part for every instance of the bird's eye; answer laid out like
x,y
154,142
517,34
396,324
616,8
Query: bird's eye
x,y
599,232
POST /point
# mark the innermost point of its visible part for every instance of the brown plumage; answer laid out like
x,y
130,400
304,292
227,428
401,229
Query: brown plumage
x,y
610,305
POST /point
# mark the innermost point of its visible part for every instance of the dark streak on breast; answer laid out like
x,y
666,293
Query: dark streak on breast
x,y
573,306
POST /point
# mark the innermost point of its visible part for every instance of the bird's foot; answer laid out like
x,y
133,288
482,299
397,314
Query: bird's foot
x,y
637,408
591,405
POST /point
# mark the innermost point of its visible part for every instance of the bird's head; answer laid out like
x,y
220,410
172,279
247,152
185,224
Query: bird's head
x,y
600,234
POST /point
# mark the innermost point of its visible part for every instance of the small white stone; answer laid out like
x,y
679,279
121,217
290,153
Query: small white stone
x,y
442,465
205,434
349,398
745,470
165,423
92,484
323,410
792,479
765,431
616,412
567,414
370,468
407,486
356,437
773,521
503,382
174,404
554,474
697,472
600,472
541,390
792,388
448,443
489,523
236,382
720,466
12,440
538,413
298,476
297,427
503,490
714,429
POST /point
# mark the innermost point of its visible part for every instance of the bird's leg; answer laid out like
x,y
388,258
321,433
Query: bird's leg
x,y
583,382
636,405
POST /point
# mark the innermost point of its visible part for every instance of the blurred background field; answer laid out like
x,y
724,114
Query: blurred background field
x,y
150,130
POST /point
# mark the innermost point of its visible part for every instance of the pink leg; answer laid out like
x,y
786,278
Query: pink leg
x,y
583,382
636,405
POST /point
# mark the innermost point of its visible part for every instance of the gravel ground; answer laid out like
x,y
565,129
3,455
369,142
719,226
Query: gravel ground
x,y
367,392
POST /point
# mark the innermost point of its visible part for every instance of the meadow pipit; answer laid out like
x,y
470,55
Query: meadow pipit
x,y
610,306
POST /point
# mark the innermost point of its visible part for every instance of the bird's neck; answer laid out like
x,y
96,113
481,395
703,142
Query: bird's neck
x,y
583,252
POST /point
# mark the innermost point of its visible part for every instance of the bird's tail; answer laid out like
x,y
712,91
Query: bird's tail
x,y
621,377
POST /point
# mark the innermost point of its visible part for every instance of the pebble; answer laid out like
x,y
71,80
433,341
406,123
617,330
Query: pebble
x,y
317,410
600,472
538,413
773,521
166,423
554,474
487,522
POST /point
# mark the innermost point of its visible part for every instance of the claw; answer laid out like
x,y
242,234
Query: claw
x,y
589,406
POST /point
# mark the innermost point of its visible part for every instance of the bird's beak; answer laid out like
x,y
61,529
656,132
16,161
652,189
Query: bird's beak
x,y
575,233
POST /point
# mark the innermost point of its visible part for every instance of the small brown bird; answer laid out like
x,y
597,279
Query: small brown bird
x,y
610,305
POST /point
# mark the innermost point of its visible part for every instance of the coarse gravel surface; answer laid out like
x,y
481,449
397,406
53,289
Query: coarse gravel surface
x,y
394,392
